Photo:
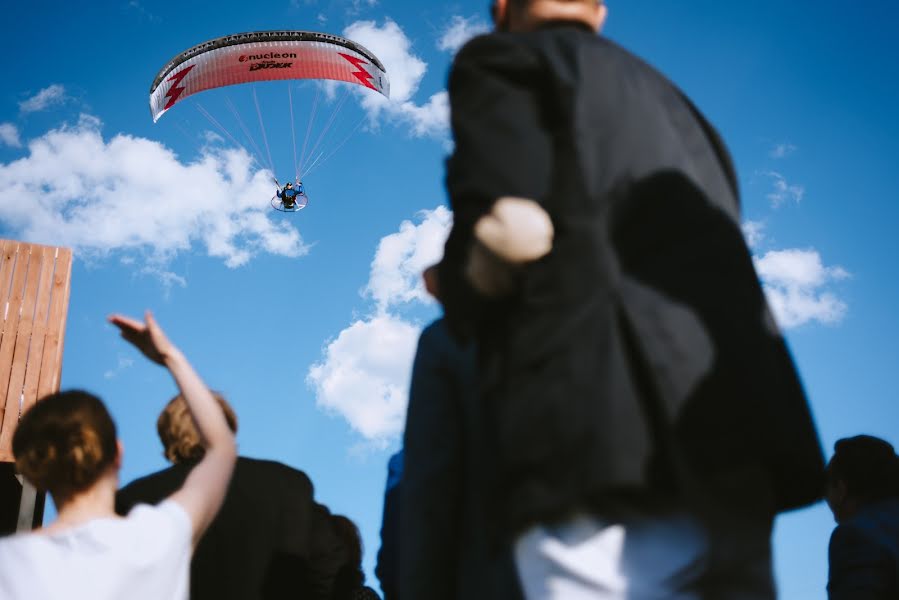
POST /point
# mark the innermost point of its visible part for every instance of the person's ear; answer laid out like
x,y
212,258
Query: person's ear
x,y
499,12
602,14
119,454
432,281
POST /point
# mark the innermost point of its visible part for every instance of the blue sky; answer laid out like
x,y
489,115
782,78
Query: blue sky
x,y
307,322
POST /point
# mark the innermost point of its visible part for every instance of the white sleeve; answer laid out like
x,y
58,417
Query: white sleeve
x,y
162,547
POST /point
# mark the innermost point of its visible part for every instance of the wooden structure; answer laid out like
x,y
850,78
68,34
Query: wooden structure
x,y
35,282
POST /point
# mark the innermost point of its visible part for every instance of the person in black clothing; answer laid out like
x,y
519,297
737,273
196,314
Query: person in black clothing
x,y
271,540
629,369
288,195
350,581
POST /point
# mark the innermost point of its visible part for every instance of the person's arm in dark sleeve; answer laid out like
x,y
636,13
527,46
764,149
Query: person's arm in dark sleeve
x,y
432,475
501,149
860,569
388,554
327,554
124,502
308,537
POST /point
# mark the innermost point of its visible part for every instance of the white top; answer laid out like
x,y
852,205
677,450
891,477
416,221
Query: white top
x,y
144,556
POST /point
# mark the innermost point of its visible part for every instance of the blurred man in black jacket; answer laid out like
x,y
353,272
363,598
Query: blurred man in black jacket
x,y
270,540
630,370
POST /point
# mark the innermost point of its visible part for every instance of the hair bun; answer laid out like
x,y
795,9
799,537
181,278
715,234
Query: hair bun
x,y
64,443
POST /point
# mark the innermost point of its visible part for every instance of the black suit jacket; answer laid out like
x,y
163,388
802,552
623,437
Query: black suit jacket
x,y
270,540
640,354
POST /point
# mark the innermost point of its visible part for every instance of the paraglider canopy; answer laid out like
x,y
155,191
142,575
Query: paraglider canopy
x,y
265,56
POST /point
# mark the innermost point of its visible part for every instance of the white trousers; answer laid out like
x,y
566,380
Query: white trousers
x,y
638,558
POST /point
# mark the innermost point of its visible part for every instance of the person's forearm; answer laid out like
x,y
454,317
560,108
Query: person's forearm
x,y
205,410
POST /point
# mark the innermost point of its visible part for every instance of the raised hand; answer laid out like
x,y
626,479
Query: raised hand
x,y
147,337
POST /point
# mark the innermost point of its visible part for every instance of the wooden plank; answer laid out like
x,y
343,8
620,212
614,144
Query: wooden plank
x,y
38,334
8,256
8,345
51,362
16,387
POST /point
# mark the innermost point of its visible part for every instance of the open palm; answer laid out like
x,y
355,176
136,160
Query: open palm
x,y
147,337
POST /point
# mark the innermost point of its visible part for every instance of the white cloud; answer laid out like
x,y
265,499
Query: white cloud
x,y
364,376
9,135
365,371
783,190
406,70
143,12
796,283
47,97
754,232
133,195
401,257
459,30
782,150
123,363
356,6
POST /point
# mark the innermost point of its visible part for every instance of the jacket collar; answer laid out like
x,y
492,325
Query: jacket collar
x,y
561,23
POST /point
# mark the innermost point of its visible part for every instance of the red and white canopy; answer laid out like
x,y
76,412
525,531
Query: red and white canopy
x,y
265,56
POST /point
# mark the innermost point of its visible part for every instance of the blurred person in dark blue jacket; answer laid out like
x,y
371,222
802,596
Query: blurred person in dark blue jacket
x,y
388,554
863,493
444,548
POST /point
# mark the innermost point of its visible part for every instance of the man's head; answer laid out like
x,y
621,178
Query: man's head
x,y
864,469
289,184
527,15
178,433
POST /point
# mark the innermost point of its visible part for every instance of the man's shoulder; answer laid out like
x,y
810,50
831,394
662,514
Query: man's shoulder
x,y
257,468
497,50
435,330
879,521
551,48
152,488
436,339
173,475
874,528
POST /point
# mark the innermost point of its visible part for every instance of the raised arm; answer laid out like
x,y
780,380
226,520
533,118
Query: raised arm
x,y
204,489
501,149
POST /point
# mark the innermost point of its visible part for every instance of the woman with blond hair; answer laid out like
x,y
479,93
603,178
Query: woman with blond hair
x,y
67,445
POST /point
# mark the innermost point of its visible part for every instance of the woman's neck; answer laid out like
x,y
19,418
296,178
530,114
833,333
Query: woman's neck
x,y
96,502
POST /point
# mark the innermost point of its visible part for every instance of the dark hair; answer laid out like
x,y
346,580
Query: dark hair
x,y
178,432
350,578
64,443
868,466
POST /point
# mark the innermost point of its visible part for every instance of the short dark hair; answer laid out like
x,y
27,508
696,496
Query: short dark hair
x,y
64,443
868,466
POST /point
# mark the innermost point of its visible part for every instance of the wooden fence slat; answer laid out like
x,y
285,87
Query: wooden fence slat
x,y
35,284
35,355
51,362
16,385
8,256
8,345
